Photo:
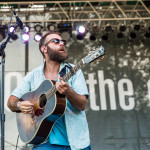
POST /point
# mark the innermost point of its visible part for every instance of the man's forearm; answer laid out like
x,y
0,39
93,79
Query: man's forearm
x,y
76,100
12,103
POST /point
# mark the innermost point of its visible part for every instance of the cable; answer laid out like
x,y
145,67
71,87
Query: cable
x,y
17,142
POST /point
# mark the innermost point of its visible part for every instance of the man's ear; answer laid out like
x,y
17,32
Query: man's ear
x,y
43,49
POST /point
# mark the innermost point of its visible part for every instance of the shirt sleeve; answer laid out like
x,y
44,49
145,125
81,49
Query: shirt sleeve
x,y
78,84
23,87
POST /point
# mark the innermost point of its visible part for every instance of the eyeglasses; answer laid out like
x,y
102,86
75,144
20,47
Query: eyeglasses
x,y
56,41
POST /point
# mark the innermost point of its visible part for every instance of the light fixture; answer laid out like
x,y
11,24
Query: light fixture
x,y
92,37
80,36
81,29
14,36
95,28
12,29
27,29
137,27
38,37
25,37
51,26
38,28
147,34
105,37
120,35
81,32
132,35
108,28
122,28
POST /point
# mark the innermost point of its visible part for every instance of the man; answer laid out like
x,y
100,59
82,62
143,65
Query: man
x,y
71,130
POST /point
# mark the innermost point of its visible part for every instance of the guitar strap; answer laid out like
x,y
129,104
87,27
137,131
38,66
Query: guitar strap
x,y
63,70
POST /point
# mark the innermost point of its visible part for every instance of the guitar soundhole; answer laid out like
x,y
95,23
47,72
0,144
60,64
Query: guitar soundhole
x,y
42,101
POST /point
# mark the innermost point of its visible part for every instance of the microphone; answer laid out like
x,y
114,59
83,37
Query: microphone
x,y
20,23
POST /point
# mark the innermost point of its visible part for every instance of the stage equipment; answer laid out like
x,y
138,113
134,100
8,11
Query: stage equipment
x,y
92,37
120,35
25,37
65,28
37,37
27,29
51,26
81,32
38,28
81,29
12,29
132,35
147,34
94,30
108,28
2,54
105,37
137,27
122,28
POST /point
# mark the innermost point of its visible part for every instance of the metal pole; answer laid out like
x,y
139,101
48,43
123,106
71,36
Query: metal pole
x,y
26,57
2,106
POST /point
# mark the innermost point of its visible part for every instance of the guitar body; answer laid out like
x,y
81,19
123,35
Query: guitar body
x,y
35,128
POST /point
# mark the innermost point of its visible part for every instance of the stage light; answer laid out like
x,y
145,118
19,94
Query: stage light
x,y
137,27
122,28
80,36
95,28
38,28
51,26
14,36
147,34
27,29
38,37
132,35
120,35
108,28
104,37
11,29
92,37
81,32
81,29
25,37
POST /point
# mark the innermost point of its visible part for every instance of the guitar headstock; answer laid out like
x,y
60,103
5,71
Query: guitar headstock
x,y
93,55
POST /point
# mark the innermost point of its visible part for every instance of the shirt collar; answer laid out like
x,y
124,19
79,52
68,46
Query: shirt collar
x,y
43,64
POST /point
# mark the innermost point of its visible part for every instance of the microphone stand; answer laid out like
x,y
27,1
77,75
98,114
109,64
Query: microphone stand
x,y
2,54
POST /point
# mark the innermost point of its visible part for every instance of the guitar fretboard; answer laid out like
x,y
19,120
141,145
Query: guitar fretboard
x,y
65,78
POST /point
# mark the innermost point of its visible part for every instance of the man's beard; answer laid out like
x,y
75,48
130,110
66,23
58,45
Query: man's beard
x,y
56,55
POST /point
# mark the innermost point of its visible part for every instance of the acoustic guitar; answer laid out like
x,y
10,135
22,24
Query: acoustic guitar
x,y
49,105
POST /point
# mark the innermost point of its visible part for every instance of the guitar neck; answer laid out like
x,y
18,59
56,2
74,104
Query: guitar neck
x,y
65,78
73,71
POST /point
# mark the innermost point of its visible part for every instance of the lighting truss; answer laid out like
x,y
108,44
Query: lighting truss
x,y
76,10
